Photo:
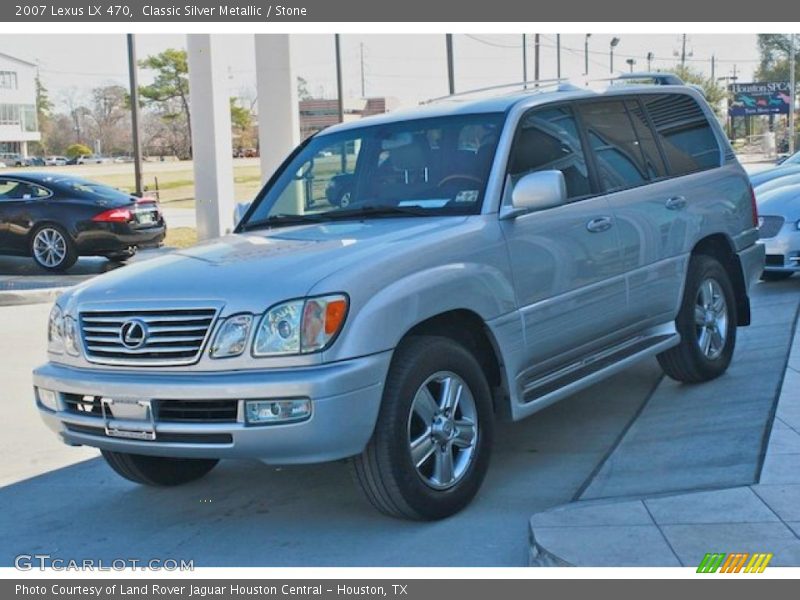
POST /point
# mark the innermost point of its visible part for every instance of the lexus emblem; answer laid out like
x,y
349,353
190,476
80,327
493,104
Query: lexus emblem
x,y
133,334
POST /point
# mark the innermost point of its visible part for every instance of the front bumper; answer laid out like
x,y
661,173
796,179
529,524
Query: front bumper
x,y
345,399
783,250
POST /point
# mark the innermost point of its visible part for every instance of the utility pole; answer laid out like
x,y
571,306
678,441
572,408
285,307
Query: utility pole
x,y
683,52
525,60
339,92
792,92
363,80
536,56
134,84
713,67
451,76
558,56
650,57
586,53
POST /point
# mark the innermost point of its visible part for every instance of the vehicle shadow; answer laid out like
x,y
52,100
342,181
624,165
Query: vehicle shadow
x,y
245,513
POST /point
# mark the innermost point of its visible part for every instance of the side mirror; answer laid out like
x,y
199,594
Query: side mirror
x,y
537,191
239,211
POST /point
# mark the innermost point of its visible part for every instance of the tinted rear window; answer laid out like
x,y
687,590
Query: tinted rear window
x,y
686,135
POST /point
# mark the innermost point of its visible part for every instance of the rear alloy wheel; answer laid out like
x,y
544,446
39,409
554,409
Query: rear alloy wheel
x,y
430,450
158,470
53,249
706,323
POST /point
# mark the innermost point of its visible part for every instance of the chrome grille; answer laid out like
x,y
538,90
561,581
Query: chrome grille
x,y
168,337
769,226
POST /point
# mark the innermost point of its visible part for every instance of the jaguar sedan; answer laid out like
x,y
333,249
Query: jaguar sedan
x,y
54,219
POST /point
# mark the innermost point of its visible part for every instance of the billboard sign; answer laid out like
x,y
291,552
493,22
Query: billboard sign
x,y
770,98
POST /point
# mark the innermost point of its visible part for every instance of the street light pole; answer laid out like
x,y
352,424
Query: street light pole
x,y
525,60
536,58
134,84
611,46
650,57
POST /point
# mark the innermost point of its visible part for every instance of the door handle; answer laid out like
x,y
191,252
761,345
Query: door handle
x,y
599,224
675,203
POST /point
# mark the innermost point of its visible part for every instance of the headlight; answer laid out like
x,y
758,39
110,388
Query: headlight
x,y
55,331
231,339
300,326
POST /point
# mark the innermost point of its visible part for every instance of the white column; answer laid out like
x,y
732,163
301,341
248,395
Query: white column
x,y
276,84
211,136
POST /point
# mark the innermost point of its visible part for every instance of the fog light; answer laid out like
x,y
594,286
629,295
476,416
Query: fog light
x,y
277,411
47,398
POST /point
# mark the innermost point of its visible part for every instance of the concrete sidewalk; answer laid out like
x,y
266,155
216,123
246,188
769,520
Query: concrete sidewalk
x,y
678,530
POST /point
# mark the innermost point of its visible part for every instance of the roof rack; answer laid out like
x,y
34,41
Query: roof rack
x,y
530,86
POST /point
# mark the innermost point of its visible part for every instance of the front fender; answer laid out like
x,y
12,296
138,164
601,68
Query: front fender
x,y
379,321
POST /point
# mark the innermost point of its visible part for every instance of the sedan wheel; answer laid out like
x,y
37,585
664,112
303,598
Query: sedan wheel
x,y
52,249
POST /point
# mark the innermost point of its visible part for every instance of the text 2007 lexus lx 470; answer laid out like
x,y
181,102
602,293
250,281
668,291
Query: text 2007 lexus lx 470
x,y
403,281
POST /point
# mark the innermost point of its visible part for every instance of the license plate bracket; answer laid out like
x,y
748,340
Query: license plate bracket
x,y
128,418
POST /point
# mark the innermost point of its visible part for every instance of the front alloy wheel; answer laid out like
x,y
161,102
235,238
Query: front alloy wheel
x,y
430,449
442,430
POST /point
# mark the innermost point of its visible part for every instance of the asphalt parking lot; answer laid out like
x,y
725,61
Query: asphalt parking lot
x,y
632,435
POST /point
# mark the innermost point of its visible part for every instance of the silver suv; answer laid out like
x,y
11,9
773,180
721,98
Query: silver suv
x,y
403,281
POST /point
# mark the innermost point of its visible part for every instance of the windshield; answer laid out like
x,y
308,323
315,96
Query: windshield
x,y
422,167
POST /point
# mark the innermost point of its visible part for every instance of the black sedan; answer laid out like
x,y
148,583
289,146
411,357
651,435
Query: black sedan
x,y
55,219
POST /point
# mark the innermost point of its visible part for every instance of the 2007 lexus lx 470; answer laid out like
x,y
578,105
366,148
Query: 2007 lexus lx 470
x,y
403,281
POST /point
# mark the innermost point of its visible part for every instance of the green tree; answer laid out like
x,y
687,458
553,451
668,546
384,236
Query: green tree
x,y
773,50
169,92
302,89
713,92
241,124
74,150
44,112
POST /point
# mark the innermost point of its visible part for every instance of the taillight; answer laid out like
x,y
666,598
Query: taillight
x,y
114,215
754,206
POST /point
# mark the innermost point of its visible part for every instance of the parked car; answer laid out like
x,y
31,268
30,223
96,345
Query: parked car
x,y
494,257
91,159
31,161
757,179
55,219
779,229
55,161
3,165
793,159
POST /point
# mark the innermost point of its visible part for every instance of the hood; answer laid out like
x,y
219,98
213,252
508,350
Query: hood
x,y
251,271
783,202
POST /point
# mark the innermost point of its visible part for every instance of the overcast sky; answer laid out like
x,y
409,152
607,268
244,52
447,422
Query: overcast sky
x,y
405,66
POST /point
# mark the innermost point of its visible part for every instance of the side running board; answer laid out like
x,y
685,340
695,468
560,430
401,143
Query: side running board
x,y
551,387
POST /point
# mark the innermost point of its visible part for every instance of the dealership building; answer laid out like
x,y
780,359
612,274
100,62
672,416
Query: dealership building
x,y
18,124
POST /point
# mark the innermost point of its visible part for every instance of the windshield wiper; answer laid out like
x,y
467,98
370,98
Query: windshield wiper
x,y
379,211
283,219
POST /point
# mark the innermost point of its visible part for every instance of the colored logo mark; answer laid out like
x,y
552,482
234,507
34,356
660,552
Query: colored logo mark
x,y
735,562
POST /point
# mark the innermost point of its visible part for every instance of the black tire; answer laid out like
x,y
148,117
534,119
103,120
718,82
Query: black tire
x,y
158,470
775,275
687,362
71,252
122,256
385,470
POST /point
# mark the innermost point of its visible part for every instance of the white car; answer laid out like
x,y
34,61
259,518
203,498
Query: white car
x,y
55,161
2,165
